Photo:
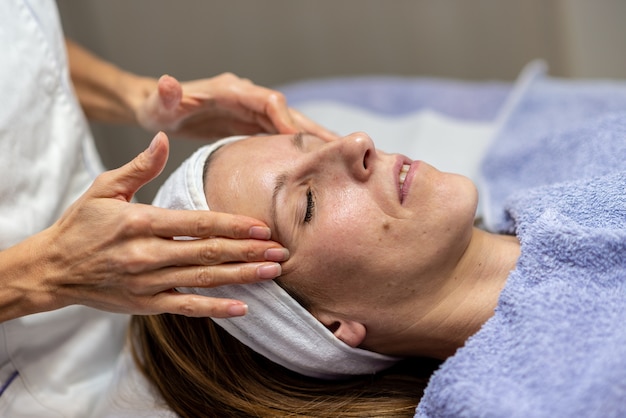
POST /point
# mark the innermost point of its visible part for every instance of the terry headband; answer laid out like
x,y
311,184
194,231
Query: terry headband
x,y
276,326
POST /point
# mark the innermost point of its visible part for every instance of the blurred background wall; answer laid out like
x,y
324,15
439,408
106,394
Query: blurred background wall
x,y
273,42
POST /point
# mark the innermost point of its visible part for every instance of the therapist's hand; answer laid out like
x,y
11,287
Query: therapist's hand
x,y
118,256
221,106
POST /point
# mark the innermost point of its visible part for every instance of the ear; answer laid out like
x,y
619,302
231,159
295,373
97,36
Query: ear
x,y
349,331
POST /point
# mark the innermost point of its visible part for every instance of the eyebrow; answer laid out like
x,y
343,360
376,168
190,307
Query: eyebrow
x,y
281,182
298,141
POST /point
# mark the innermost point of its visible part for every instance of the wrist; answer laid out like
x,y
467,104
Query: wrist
x,y
136,90
106,92
26,279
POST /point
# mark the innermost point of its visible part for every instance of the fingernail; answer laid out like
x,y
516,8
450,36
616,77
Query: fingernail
x,y
260,232
269,271
237,309
154,143
276,254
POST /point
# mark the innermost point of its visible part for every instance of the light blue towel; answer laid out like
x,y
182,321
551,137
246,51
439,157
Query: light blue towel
x,y
558,130
556,346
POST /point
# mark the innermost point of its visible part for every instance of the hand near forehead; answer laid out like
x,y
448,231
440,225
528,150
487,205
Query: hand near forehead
x,y
110,254
221,106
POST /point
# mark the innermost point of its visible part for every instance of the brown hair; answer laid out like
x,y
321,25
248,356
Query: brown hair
x,y
202,371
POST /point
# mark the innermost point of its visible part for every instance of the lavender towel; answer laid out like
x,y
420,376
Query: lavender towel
x,y
556,345
558,130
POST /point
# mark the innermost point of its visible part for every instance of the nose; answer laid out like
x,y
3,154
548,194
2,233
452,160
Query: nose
x,y
358,152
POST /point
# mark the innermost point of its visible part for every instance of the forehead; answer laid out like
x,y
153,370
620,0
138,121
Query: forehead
x,y
258,149
241,176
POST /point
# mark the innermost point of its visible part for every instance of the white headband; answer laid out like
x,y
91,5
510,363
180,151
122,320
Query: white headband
x,y
276,326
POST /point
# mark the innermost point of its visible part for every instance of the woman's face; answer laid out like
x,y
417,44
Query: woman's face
x,y
354,219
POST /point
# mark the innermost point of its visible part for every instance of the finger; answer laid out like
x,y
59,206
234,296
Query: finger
x,y
264,125
123,183
170,92
210,252
307,125
278,113
196,305
203,276
169,223
271,104
255,124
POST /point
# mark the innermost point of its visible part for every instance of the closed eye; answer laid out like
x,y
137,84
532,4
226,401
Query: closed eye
x,y
310,206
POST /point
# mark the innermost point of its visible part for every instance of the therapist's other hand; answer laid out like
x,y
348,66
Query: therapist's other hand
x,y
221,106
118,256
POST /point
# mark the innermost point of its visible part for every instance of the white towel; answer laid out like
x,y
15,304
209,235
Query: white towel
x,y
276,326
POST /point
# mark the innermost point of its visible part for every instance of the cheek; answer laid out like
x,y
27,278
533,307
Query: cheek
x,y
358,223
350,242
349,247
333,260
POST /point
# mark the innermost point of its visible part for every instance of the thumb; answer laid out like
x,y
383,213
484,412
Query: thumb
x,y
170,92
123,183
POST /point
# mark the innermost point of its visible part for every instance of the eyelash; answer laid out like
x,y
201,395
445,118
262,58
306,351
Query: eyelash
x,y
310,206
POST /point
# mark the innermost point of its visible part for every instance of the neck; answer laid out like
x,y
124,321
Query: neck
x,y
441,323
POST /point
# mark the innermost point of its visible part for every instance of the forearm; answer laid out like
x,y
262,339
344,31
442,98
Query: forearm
x,y
106,93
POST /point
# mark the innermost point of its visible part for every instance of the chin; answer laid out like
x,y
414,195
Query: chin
x,y
463,198
465,190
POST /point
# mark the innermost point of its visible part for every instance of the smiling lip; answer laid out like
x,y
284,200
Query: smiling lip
x,y
404,190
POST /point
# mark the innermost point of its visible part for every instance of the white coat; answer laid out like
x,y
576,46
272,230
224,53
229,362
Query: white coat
x,y
53,364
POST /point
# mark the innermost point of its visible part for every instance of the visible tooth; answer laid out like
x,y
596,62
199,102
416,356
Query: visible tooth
x,y
403,173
